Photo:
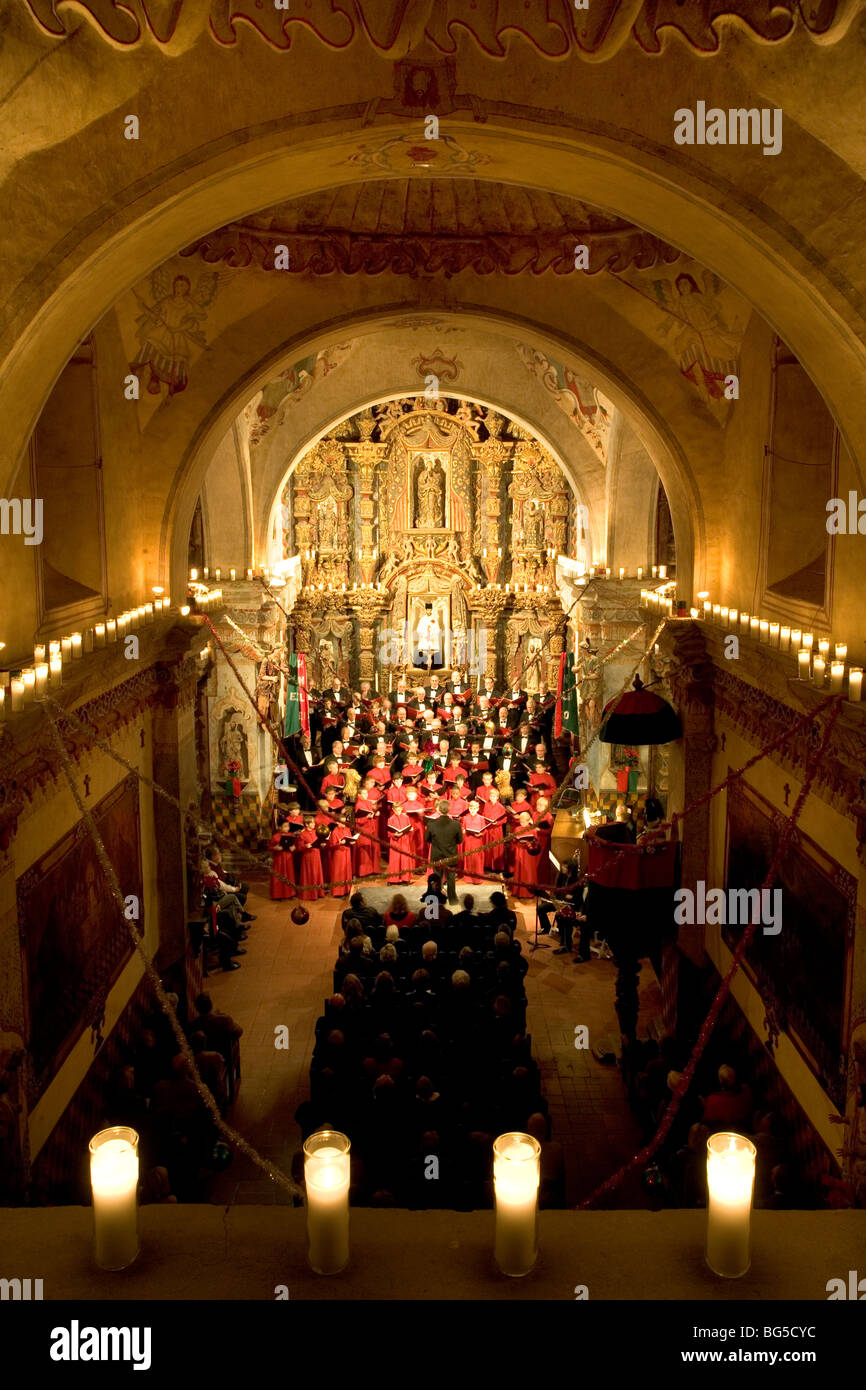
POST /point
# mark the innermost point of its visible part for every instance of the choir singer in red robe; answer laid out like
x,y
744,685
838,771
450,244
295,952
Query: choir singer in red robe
x,y
311,880
400,863
474,827
527,848
340,843
282,863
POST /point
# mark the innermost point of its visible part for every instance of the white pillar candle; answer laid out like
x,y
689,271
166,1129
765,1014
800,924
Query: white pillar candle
x,y
148,612
808,641
745,621
733,617
693,612
326,1176
2,702
796,639
41,677
819,667
774,634
663,571
66,648
640,571
824,647
837,677
754,627
655,571
111,630
621,572
784,638
38,654
55,670
730,1180
193,574
803,664
53,650
233,574
717,612
841,651
516,1162
708,610
206,572
764,630
114,1182
723,615
855,683
249,574
77,645
16,693
216,574
99,635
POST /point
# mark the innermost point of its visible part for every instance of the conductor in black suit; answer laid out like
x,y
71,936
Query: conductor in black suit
x,y
444,834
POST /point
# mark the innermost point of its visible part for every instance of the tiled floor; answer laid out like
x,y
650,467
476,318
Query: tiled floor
x,y
285,977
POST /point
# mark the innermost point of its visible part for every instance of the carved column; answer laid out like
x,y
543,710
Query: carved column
x,y
366,456
368,605
487,606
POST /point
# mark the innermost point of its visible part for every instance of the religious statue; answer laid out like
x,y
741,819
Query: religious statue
x,y
429,639
232,741
328,525
533,526
430,490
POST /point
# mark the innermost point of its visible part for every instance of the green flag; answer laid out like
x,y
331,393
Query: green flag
x,y
293,704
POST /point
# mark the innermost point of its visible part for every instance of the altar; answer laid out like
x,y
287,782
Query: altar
x,y
428,533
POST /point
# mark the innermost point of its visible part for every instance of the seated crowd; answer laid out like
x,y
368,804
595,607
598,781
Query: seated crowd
x,y
422,1055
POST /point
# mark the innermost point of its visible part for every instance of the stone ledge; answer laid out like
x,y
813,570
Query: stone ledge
x,y
244,1252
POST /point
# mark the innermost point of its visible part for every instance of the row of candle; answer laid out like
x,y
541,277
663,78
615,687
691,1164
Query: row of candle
x,y
220,577
47,669
114,1173
811,664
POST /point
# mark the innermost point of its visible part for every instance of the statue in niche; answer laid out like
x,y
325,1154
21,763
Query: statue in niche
x,y
328,524
533,526
232,741
430,495
327,664
428,639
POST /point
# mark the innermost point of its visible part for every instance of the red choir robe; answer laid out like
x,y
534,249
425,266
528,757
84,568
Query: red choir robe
x,y
382,775
412,771
457,806
333,779
541,783
367,826
400,866
429,789
544,830
497,828
283,863
527,848
416,811
450,774
311,880
482,793
472,848
340,861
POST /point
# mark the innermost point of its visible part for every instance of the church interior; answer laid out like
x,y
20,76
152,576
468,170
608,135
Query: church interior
x,y
432,747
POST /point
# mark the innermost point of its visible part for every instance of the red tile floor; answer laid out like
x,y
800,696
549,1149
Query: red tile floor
x,y
285,977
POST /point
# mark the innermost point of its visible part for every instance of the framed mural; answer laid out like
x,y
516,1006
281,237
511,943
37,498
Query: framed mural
x,y
804,971
73,941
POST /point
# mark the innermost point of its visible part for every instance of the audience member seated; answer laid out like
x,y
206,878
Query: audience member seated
x,y
731,1106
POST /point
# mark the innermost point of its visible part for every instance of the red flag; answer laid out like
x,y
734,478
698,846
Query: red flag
x,y
303,699
557,718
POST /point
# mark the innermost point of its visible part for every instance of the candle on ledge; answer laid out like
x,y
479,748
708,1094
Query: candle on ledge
x,y
663,571
819,667
708,610
249,574
640,571
206,572
803,664
730,1180
774,634
38,654
745,620
148,612
841,651
837,677
41,677
693,612
326,1176
655,572
233,574
733,617
216,574
607,572
16,693
824,647
764,630
808,641
723,616
66,648
77,645
784,638
516,1162
111,630
114,1182
717,612
55,670
796,639
2,702
855,683
99,635
621,572
193,574
754,627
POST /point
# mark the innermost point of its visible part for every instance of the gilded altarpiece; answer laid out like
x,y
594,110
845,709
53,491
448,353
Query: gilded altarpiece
x,y
428,531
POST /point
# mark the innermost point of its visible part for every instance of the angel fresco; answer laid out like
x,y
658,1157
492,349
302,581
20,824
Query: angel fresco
x,y
707,346
170,326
